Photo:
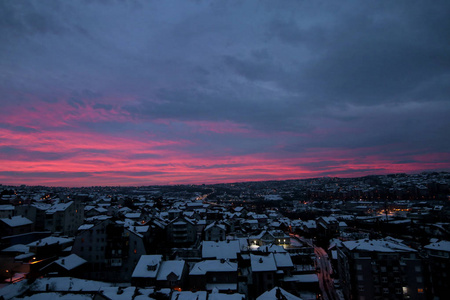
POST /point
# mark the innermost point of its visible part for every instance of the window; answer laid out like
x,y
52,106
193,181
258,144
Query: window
x,y
418,268
419,279
420,291
360,278
358,267
385,291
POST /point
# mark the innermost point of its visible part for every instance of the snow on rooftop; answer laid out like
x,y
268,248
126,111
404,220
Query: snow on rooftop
x,y
147,266
16,221
170,266
50,241
262,263
382,245
85,226
17,248
220,296
283,260
222,249
186,295
59,207
118,293
64,284
303,278
70,262
59,296
277,293
205,266
440,246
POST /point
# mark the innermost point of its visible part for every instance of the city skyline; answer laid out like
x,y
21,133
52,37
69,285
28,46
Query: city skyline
x,y
142,93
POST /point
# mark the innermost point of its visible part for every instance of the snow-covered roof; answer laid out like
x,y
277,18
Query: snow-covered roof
x,y
147,266
186,295
16,221
382,245
59,207
70,262
439,246
171,266
215,224
17,248
113,292
263,263
223,249
272,248
274,294
50,241
302,278
220,296
205,266
85,226
283,260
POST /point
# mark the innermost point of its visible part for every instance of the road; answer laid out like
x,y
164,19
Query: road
x,y
324,273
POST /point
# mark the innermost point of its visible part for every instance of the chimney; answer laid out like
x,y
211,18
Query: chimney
x,y
62,261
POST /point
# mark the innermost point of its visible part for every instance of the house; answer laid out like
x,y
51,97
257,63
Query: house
x,y
111,250
277,293
215,232
15,225
438,263
69,266
187,295
380,268
263,269
210,274
181,231
172,274
64,218
146,270
221,250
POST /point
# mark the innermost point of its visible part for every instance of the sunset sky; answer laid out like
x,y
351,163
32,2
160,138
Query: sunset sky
x,y
180,92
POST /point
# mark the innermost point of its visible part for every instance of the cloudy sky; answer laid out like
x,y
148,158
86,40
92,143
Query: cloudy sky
x,y
169,92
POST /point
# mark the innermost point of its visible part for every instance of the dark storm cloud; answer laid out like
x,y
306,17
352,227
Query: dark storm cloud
x,y
24,129
286,77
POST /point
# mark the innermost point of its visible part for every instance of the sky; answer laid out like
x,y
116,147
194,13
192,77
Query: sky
x,y
192,92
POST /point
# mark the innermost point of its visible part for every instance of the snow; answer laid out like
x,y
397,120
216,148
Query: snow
x,y
70,262
260,263
201,295
221,286
143,268
283,260
440,246
303,278
47,296
171,266
59,207
117,293
16,221
17,248
272,294
50,241
203,267
382,245
85,227
63,284
222,249
219,296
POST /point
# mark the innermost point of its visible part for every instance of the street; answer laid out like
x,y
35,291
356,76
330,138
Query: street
x,y
324,273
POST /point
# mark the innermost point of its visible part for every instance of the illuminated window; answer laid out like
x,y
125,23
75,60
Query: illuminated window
x,y
420,291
